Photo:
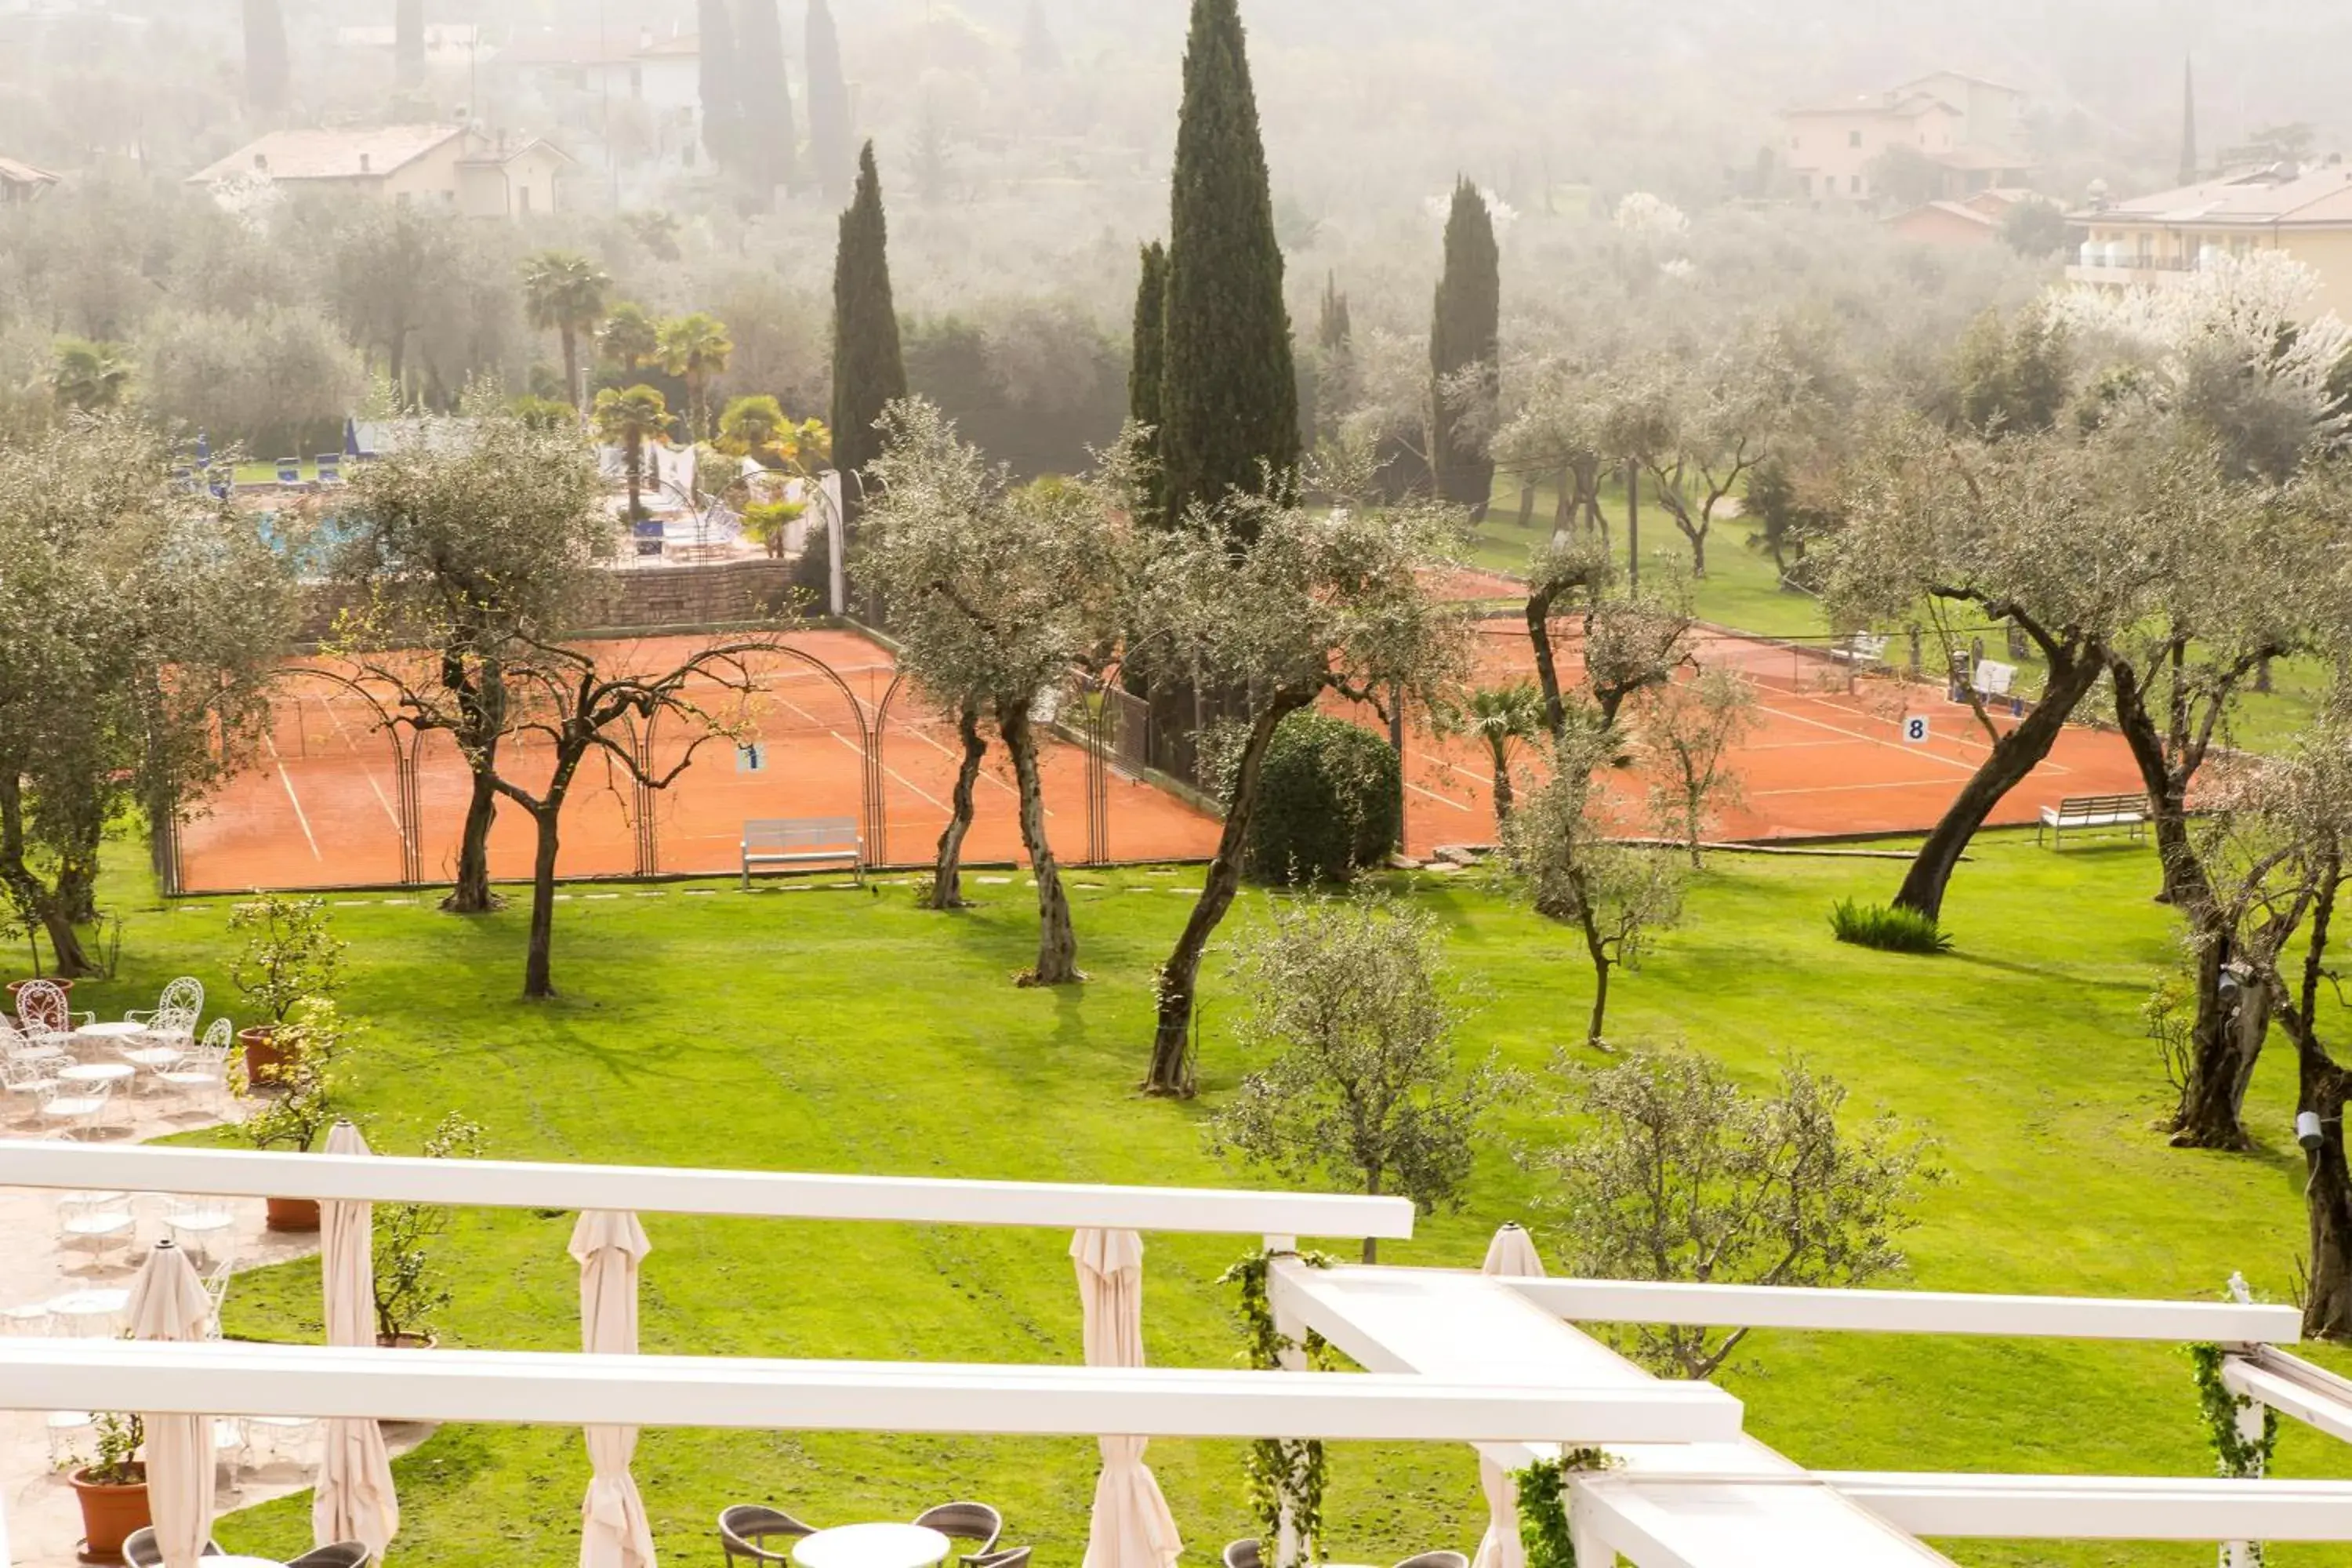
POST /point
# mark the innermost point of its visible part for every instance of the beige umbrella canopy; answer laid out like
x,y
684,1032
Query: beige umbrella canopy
x,y
1132,1527
1511,1255
614,1531
354,1499
168,1302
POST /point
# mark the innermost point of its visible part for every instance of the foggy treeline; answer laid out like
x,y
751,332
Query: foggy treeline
x,y
1024,148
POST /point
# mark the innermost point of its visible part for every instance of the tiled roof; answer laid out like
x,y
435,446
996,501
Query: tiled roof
x,y
15,174
2322,195
348,154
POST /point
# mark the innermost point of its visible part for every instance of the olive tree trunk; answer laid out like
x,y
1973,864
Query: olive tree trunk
x,y
2323,1089
35,899
947,873
1180,978
2013,756
472,895
1057,944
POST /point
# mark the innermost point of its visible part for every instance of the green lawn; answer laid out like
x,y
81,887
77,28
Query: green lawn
x,y
844,1031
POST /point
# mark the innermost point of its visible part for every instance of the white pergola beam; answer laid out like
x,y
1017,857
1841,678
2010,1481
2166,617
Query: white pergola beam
x,y
542,1388
1909,1312
2294,1387
2096,1507
759,1194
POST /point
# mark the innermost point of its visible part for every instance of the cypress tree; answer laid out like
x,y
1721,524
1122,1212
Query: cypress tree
x,y
2188,123
769,138
828,103
1333,329
1334,384
1229,391
1462,331
1040,55
868,369
1144,372
722,94
268,71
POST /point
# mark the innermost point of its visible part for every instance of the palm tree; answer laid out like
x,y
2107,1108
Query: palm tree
x,y
88,375
564,294
628,340
754,427
695,348
1502,715
631,418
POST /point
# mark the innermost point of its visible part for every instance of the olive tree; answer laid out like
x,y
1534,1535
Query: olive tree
x,y
470,532
1682,1174
1634,637
1338,601
1689,728
1697,430
1351,998
141,620
996,593
2049,533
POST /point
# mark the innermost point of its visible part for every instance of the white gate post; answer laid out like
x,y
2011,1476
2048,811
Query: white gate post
x,y
2252,1418
1289,1548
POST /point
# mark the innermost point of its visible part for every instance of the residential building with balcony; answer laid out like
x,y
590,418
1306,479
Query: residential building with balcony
x,y
450,166
2157,240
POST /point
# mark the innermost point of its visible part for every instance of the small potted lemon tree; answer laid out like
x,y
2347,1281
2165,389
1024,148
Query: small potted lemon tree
x,y
303,1107
292,955
410,1283
113,1489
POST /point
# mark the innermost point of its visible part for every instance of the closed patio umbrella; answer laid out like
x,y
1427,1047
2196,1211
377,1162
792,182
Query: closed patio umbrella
x,y
168,1302
614,1531
1511,1255
354,1499
1132,1527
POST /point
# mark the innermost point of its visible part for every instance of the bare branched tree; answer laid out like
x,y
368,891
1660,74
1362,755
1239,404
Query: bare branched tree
x,y
1689,730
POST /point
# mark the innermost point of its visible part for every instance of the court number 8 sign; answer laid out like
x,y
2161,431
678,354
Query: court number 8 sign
x,y
1915,730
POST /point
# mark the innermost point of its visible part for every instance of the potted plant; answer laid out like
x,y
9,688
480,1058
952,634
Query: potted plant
x,y
112,1490
303,1108
409,1284
290,954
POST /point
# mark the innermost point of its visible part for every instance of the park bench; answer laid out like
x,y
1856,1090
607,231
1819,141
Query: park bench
x,y
812,841
2084,811
1864,650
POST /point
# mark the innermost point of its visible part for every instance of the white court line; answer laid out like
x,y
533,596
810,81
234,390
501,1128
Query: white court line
x,y
955,757
1845,789
1441,799
1869,740
366,771
859,751
293,799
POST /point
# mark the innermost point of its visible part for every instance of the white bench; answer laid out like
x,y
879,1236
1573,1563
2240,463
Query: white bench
x,y
813,841
2093,811
1864,650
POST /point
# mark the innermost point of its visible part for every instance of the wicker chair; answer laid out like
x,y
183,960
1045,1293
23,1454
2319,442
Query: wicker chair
x,y
1436,1559
139,1550
745,1529
1016,1557
1244,1554
965,1522
342,1554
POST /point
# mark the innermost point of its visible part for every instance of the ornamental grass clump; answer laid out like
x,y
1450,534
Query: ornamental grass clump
x,y
1888,928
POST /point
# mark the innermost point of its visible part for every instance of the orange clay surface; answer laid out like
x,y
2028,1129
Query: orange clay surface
x,y
319,808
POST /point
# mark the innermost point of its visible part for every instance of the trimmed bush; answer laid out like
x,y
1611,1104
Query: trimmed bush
x,y
1888,928
1328,802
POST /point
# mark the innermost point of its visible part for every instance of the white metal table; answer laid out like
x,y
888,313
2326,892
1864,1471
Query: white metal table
x,y
90,1314
871,1546
97,1072
113,1033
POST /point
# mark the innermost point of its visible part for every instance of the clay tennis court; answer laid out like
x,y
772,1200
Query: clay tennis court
x,y
324,807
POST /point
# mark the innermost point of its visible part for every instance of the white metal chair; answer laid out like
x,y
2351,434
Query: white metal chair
x,y
288,1437
29,1080
203,1072
216,1292
205,1228
32,1318
97,1222
67,1428
173,1021
41,1011
76,1114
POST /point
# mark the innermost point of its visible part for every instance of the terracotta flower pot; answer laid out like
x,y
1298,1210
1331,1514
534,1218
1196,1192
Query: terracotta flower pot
x,y
298,1216
265,1059
408,1341
109,1514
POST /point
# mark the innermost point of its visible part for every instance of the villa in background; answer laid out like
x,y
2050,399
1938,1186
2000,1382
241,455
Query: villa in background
x,y
1970,128
2155,241
450,166
631,90
1976,221
22,182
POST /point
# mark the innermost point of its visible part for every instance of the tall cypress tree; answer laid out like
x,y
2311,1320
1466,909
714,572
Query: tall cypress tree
x,y
828,103
1144,372
268,71
869,368
1335,382
722,95
1462,332
1229,391
768,147
2188,123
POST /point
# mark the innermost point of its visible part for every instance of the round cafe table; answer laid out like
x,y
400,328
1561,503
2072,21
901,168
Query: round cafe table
x,y
125,1031
871,1546
97,1072
90,1314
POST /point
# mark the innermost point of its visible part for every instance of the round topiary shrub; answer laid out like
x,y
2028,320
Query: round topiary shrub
x,y
1329,801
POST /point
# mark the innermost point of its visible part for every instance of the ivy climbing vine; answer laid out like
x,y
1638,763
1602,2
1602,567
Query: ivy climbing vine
x,y
1543,1506
1284,1473
2237,1456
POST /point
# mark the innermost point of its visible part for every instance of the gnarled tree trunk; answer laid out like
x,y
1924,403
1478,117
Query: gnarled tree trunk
x,y
2013,757
1057,944
2323,1089
947,873
1180,978
472,895
35,899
